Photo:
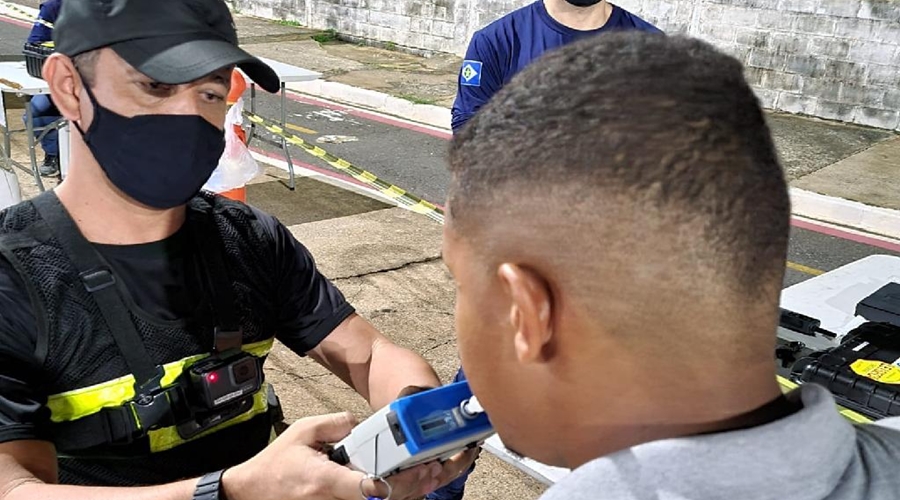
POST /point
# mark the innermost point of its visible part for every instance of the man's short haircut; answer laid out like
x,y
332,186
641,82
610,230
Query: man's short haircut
x,y
86,65
664,125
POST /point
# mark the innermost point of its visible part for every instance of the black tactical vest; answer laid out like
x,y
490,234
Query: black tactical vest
x,y
79,350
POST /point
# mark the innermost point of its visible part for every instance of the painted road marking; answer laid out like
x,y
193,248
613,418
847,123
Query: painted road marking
x,y
805,269
302,130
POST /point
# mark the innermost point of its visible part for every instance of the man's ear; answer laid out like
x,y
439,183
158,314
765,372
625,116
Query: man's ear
x,y
65,85
531,311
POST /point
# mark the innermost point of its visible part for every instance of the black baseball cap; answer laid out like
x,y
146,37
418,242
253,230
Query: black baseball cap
x,y
171,41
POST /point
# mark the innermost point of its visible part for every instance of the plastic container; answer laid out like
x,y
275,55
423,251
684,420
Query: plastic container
x,y
35,55
863,373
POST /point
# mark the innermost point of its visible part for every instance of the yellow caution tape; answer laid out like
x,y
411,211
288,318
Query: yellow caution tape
x,y
401,196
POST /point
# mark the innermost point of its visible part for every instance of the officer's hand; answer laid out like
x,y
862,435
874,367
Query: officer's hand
x,y
423,479
414,483
293,467
438,474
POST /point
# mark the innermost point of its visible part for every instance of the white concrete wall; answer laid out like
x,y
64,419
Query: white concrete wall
x,y
835,59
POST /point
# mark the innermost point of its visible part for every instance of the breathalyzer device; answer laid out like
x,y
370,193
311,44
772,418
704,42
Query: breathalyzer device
x,y
431,425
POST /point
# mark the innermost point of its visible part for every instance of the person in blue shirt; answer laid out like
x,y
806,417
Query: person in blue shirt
x,y
500,50
503,48
43,110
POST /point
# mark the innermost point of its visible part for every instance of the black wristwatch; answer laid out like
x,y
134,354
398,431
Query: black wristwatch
x,y
209,487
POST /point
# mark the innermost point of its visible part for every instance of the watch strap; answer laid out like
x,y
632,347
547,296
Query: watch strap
x,y
209,486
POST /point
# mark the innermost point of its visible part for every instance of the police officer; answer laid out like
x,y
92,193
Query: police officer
x,y
501,49
136,314
43,111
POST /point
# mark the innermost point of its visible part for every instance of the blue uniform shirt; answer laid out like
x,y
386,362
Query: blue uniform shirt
x,y
500,50
49,12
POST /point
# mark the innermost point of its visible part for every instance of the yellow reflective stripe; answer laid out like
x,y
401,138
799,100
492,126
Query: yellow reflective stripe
x,y
259,349
168,437
80,403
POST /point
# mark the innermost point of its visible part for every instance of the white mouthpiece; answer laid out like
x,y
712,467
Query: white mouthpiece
x,y
471,407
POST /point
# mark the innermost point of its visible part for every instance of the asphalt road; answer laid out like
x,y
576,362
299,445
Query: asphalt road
x,y
414,161
12,38
410,159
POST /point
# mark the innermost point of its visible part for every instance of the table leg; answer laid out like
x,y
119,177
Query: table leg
x,y
6,142
29,130
7,151
64,138
252,133
287,154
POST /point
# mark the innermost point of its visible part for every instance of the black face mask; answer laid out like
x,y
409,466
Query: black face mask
x,y
161,161
583,3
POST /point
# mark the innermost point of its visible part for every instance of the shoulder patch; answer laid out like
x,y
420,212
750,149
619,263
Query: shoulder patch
x,y
470,75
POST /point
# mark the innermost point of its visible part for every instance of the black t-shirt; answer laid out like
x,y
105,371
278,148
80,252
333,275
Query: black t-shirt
x,y
162,280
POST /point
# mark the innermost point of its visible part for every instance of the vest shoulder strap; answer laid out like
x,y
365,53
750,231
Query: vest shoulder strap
x,y
98,279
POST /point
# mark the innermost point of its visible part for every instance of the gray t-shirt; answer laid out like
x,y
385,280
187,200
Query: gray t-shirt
x,y
814,454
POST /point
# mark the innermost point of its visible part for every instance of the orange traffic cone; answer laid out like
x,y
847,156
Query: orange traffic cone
x,y
238,87
236,194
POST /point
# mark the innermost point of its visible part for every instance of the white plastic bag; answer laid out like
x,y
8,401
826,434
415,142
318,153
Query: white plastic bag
x,y
10,191
237,166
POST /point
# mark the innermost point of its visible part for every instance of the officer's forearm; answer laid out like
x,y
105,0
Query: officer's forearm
x,y
29,471
371,364
35,490
393,369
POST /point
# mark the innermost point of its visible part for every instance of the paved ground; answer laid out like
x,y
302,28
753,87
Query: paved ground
x,y
386,260
878,165
12,38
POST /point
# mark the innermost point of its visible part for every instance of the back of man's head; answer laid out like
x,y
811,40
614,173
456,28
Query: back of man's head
x,y
631,179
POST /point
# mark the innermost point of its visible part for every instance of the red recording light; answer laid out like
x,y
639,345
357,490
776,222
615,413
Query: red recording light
x,y
212,377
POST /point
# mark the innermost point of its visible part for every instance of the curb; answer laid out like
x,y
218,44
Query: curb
x,y
877,220
335,179
426,114
15,11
